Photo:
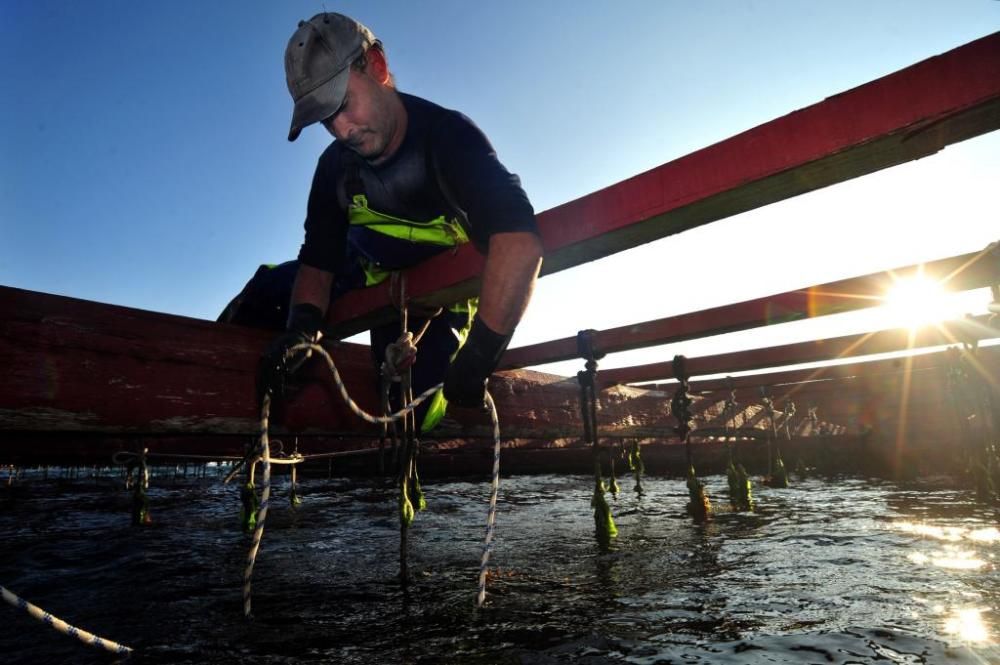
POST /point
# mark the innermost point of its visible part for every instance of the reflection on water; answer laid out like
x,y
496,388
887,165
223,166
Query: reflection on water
x,y
827,571
987,535
950,557
950,533
968,624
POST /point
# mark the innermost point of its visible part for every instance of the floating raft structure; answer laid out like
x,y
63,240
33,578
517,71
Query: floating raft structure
x,y
86,380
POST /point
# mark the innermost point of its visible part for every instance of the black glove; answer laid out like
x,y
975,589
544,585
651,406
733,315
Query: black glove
x,y
465,382
304,324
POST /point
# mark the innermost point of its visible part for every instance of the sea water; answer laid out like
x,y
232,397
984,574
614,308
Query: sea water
x,y
830,570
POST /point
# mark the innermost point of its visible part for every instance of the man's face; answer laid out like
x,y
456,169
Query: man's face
x,y
365,122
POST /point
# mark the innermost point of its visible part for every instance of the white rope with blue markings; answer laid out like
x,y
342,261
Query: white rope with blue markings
x,y
491,517
309,349
265,495
62,626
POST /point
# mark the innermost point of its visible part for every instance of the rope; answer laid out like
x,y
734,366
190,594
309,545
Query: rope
x,y
258,534
699,505
635,463
140,502
396,368
400,356
789,412
407,512
352,405
777,474
604,522
492,514
120,456
295,459
377,420
63,627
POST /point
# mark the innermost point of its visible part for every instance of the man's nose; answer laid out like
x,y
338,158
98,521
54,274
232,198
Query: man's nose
x,y
341,125
333,124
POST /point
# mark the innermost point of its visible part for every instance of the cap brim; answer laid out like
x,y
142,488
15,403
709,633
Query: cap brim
x,y
319,104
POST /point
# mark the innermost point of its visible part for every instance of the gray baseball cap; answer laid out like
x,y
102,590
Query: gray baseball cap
x,y
317,65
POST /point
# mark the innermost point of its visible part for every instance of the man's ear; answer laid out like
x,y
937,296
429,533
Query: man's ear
x,y
378,68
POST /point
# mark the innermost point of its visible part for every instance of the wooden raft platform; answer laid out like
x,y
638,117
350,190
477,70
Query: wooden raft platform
x,y
86,379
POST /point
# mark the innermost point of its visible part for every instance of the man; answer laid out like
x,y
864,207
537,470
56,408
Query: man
x,y
405,179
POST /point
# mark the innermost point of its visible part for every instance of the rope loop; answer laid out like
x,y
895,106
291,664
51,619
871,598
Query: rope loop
x,y
265,459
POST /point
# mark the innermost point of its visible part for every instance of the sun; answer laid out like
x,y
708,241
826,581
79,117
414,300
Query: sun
x,y
919,300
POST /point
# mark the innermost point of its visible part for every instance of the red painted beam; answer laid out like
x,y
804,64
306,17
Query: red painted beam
x,y
76,366
906,115
806,352
959,273
84,378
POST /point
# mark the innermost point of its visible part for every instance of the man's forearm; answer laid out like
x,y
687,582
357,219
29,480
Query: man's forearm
x,y
312,286
508,280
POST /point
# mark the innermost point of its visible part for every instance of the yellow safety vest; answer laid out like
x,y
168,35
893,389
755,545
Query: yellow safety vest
x,y
439,231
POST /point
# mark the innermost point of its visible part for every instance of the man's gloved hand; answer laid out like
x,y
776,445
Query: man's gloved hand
x,y
465,382
305,323
399,356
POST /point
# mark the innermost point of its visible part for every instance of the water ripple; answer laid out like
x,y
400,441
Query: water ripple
x,y
845,570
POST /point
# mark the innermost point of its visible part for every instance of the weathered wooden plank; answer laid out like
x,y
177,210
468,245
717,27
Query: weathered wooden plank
x,y
73,365
750,384
959,273
108,374
906,115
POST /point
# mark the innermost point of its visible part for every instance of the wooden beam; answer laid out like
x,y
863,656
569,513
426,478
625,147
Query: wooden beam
x,y
833,377
906,115
884,341
76,366
86,378
826,373
959,273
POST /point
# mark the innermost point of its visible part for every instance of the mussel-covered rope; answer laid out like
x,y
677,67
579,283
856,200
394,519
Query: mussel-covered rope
x,y
789,413
740,489
397,367
407,486
699,505
777,474
62,626
636,465
604,523
680,406
140,501
293,490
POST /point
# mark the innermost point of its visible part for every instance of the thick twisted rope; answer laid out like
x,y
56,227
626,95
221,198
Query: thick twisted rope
x,y
491,517
62,626
265,495
361,413
357,410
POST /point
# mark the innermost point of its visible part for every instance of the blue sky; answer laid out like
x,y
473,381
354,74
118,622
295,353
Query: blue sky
x,y
144,160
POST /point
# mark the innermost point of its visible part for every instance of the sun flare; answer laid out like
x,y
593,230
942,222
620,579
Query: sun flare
x,y
919,300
